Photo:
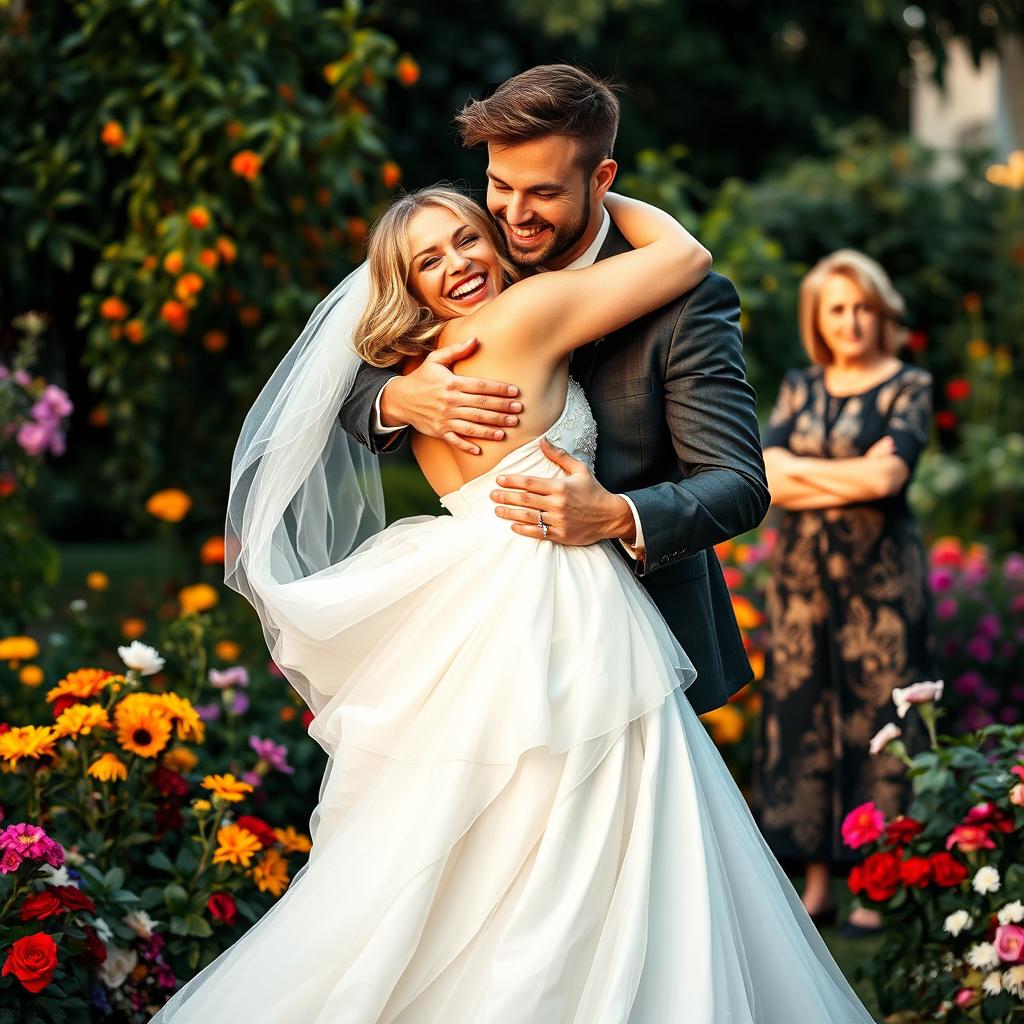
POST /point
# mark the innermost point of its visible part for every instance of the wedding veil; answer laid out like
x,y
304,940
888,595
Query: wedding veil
x,y
303,494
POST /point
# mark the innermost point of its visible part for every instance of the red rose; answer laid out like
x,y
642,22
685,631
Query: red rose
x,y
258,827
32,960
72,898
947,870
40,905
856,879
221,906
881,875
945,419
958,389
94,944
916,871
900,831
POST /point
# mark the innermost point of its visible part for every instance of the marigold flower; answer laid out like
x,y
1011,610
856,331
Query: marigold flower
x,y
246,164
227,787
97,580
180,759
287,714
407,70
747,616
199,217
390,174
215,341
140,731
293,841
31,675
108,768
132,629
978,348
175,315
113,308
726,723
82,684
18,648
270,873
80,720
209,258
32,741
227,650
201,806
235,846
170,505
199,597
227,249
112,135
190,726
135,331
174,262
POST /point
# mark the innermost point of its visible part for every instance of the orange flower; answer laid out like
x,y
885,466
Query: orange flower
x,y
270,873
292,841
135,331
726,723
390,174
215,341
199,217
112,135
227,650
227,249
188,285
357,230
174,261
31,675
236,845
209,258
175,315
113,308
212,551
407,70
757,664
287,714
199,597
747,616
18,648
81,719
97,580
227,787
250,315
132,629
246,163
150,262
82,684
170,505
180,759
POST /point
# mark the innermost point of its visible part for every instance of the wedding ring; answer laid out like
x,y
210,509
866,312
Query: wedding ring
x,y
543,526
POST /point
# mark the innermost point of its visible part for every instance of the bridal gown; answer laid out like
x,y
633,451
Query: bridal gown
x,y
522,819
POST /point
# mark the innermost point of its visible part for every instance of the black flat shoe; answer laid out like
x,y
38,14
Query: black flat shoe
x,y
826,917
850,930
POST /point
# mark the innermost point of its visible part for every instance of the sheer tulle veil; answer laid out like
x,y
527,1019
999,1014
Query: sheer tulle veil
x,y
303,494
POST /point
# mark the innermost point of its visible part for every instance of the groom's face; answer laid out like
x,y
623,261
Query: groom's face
x,y
543,200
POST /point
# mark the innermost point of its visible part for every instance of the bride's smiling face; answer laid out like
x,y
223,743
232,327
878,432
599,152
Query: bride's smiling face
x,y
453,267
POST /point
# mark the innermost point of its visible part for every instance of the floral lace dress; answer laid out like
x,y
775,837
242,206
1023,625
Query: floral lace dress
x,y
849,619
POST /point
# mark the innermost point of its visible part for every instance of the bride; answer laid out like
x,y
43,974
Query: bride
x,y
550,837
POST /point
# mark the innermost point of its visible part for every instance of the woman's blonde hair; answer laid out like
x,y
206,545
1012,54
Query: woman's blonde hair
x,y
395,325
881,297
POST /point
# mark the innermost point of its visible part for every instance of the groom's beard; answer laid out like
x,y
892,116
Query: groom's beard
x,y
561,240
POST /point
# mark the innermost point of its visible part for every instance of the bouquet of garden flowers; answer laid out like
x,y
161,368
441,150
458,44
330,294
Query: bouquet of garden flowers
x,y
948,877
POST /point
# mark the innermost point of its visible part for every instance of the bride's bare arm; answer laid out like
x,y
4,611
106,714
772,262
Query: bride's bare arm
x,y
564,309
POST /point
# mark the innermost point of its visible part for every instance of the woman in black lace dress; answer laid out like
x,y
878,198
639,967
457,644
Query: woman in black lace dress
x,y
847,603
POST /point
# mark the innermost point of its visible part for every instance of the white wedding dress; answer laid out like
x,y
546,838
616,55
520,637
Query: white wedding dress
x,y
522,819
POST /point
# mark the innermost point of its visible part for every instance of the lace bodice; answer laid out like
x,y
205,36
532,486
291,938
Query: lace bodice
x,y
575,431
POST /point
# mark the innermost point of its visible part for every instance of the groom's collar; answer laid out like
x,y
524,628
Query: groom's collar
x,y
614,243
593,253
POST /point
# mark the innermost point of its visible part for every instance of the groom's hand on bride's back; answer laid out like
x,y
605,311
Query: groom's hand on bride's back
x,y
434,400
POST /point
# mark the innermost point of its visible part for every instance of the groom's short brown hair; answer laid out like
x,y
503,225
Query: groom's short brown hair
x,y
551,99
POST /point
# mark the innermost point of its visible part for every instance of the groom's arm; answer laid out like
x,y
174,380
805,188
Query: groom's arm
x,y
712,417
359,412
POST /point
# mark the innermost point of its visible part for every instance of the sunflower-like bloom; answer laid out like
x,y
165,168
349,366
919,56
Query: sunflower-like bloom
x,y
227,787
235,845
80,720
33,741
142,731
292,841
108,767
270,873
83,683
180,759
190,727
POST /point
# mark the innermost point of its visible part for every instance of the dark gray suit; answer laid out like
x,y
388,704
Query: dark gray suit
x,y
677,433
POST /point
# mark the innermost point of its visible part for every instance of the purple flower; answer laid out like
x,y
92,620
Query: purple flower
x,y
275,754
253,778
980,648
153,946
23,377
33,438
1013,566
56,401
968,684
1008,716
941,579
988,696
946,609
976,718
165,976
989,626
238,675
240,704
208,712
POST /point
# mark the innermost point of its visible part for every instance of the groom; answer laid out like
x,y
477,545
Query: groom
x,y
679,464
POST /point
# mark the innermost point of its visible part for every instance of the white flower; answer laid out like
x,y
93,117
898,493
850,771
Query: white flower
x,y
141,923
986,880
1013,980
55,876
889,732
917,693
957,922
1012,913
102,929
141,657
983,956
992,984
78,605
73,856
118,965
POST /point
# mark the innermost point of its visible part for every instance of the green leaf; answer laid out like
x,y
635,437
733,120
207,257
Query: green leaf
x,y
175,897
199,926
159,860
114,878
179,925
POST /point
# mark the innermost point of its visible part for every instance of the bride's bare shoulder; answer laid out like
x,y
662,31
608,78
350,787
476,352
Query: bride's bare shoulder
x,y
504,317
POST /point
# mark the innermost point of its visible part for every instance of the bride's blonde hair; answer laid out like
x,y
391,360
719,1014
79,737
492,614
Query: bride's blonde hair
x,y
395,325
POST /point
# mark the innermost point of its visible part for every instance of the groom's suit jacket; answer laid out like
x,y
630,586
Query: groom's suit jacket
x,y
677,433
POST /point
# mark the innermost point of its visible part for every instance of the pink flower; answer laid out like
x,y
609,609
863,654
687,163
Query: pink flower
x,y
889,732
1017,795
941,579
864,824
275,754
946,609
1018,770
32,843
970,837
989,626
980,649
964,997
1010,943
916,693
33,438
10,861
237,675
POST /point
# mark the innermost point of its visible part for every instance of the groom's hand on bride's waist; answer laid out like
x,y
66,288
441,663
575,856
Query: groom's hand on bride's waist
x,y
576,508
435,401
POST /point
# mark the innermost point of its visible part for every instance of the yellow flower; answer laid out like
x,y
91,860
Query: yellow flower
x,y
292,841
200,597
978,348
201,806
227,787
227,650
235,845
757,664
140,731
18,648
170,505
83,683
108,768
180,759
1010,174
727,724
80,720
270,873
33,741
31,675
189,725
97,581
